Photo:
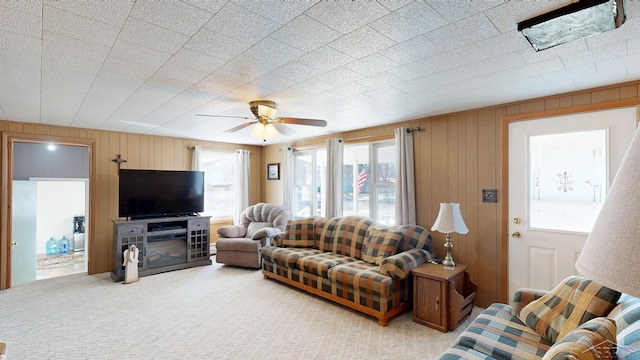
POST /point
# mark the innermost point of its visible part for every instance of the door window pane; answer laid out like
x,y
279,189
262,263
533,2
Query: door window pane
x,y
567,182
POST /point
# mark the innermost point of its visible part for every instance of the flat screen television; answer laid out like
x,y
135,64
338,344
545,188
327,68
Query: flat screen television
x,y
155,193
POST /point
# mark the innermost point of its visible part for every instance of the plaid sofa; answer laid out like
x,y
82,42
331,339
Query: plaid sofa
x,y
498,333
351,261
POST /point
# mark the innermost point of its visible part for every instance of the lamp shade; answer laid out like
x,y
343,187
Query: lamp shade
x,y
450,219
611,254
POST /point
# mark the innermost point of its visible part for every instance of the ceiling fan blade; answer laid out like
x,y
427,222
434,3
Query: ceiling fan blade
x,y
284,130
227,116
298,121
240,127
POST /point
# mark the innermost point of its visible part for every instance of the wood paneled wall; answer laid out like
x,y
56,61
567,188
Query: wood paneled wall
x,y
141,152
456,156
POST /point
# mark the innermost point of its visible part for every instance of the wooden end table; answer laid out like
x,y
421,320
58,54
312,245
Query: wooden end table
x,y
442,299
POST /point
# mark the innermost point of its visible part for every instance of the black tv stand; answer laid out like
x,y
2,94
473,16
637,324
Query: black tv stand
x,y
165,243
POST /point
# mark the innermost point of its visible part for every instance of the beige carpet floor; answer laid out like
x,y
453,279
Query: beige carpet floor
x,y
209,312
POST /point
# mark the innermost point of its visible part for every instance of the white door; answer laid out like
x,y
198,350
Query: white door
x,y
23,231
560,170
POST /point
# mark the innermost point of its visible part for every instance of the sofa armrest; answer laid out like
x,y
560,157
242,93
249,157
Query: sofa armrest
x,y
523,297
399,266
232,231
265,235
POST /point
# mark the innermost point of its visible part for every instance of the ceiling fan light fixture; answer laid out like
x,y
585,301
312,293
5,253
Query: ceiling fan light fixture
x,y
264,132
267,111
577,20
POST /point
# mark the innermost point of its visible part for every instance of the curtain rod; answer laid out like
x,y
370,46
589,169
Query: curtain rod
x,y
410,130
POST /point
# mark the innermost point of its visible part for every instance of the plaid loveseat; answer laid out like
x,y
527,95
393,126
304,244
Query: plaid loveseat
x,y
350,260
499,333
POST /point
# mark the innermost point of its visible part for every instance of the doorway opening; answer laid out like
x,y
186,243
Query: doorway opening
x,y
50,197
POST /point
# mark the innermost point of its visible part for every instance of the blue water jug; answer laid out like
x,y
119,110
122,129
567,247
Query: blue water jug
x,y
64,245
52,246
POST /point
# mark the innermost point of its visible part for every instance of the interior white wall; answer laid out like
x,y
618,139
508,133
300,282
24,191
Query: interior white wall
x,y
58,202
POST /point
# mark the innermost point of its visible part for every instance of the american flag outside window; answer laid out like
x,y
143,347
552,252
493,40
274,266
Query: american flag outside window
x,y
362,178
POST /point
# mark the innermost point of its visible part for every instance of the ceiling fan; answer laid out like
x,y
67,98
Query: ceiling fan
x,y
266,125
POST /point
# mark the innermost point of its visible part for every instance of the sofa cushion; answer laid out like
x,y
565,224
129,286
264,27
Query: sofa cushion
x,y
414,237
325,230
349,235
498,334
319,264
627,317
286,256
380,243
592,340
360,276
299,233
399,266
573,302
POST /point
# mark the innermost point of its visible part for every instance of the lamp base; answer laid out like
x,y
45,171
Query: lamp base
x,y
448,263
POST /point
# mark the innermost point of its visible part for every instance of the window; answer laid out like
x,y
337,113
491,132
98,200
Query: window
x,y
219,189
369,172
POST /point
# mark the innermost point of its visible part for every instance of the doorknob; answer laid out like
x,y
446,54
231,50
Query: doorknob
x,y
516,220
515,235
13,243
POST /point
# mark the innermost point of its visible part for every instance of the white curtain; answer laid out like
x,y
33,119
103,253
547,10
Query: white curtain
x,y
335,149
195,158
405,183
242,174
288,179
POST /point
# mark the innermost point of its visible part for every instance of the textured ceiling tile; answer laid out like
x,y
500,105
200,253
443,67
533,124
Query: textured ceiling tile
x,y
296,71
138,54
173,15
380,80
274,52
78,27
414,70
503,44
362,42
196,60
352,89
529,55
228,79
408,22
238,23
372,64
272,82
108,12
507,16
312,86
305,33
463,32
214,44
570,74
609,51
279,11
123,67
152,36
33,7
346,16
20,90
15,42
456,10
70,63
458,57
54,43
19,22
250,66
628,30
181,73
340,76
62,93
326,58
411,50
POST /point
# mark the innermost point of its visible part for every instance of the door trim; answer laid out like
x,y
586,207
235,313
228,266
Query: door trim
x,y
6,169
504,139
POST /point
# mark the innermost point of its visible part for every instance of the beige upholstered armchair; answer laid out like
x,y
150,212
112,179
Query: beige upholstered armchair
x,y
240,244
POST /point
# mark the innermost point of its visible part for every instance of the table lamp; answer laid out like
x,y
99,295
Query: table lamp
x,y
449,220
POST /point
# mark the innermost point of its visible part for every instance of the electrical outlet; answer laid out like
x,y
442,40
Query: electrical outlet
x,y
490,195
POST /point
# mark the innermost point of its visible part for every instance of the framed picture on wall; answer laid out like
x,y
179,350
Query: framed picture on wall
x,y
273,171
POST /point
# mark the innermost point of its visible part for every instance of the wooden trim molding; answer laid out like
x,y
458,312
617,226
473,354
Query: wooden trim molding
x,y
506,120
6,168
